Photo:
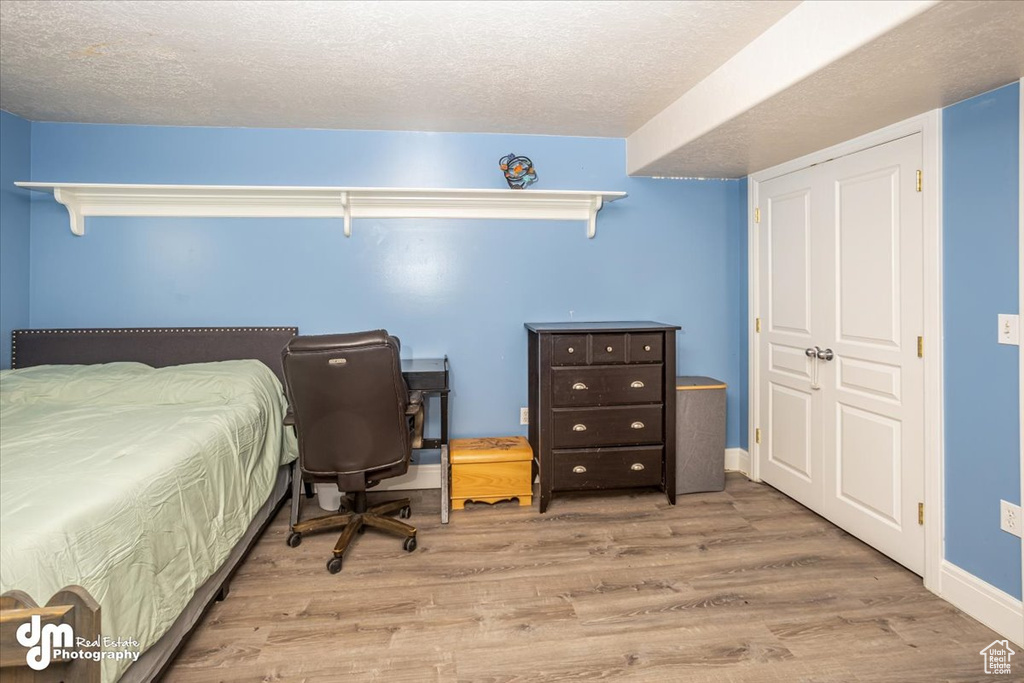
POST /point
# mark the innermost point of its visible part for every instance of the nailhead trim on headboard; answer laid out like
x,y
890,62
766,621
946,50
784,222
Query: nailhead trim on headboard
x,y
122,330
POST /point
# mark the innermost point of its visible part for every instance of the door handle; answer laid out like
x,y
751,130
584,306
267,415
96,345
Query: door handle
x,y
814,353
825,354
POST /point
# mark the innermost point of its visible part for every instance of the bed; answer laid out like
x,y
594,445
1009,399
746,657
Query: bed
x,y
140,465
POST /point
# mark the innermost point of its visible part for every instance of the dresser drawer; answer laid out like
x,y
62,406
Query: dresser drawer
x,y
607,468
607,348
615,385
646,348
618,426
569,349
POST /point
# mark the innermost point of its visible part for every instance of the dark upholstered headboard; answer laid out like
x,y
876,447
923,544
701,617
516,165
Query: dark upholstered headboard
x,y
155,346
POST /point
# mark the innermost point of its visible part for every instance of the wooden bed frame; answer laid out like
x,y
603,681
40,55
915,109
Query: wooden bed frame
x,y
155,346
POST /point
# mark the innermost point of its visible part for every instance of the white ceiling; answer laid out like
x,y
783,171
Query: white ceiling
x,y
711,89
946,53
566,68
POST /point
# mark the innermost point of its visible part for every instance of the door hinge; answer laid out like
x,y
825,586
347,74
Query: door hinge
x,y
757,435
920,347
757,324
920,513
920,176
757,214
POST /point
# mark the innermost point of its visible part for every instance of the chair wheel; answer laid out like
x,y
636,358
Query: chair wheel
x,y
294,540
334,565
410,544
405,513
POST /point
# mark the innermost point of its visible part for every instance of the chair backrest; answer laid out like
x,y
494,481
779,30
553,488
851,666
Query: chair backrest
x,y
349,400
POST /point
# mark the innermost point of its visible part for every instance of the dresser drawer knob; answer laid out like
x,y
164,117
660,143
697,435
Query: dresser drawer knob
x,y
608,349
647,347
583,427
636,385
637,425
571,350
579,386
579,469
637,467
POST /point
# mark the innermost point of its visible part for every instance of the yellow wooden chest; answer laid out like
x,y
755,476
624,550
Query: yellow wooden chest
x,y
491,469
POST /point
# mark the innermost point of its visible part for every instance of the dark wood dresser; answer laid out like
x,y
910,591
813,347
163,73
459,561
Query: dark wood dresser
x,y
602,406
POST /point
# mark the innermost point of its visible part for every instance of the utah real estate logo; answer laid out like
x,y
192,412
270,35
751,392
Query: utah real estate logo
x,y
997,657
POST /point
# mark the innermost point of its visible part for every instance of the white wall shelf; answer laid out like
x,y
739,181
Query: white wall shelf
x,y
255,201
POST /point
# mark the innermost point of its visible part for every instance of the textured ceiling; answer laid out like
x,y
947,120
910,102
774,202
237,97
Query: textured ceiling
x,y
568,68
951,52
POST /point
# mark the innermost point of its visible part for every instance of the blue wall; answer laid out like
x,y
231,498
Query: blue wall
x,y
980,271
15,160
461,287
673,251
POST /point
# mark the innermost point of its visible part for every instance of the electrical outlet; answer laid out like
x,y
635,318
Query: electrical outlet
x,y
1009,329
524,416
1009,518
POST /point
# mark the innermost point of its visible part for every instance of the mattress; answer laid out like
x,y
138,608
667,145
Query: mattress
x,y
133,482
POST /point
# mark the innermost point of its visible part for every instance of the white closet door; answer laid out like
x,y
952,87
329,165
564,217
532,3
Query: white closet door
x,y
873,448
791,407
840,253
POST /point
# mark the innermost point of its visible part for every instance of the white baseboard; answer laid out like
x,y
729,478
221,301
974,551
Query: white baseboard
x,y
998,610
737,460
429,476
418,477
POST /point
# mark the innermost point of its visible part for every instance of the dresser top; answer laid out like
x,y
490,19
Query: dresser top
x,y
631,326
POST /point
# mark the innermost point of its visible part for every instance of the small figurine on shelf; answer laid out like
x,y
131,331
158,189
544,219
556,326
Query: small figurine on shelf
x,y
519,171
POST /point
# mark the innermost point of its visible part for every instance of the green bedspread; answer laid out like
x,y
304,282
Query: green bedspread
x,y
133,482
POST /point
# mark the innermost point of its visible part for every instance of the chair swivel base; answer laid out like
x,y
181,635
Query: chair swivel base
x,y
352,523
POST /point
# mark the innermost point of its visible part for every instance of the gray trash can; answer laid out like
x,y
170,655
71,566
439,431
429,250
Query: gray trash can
x,y
700,434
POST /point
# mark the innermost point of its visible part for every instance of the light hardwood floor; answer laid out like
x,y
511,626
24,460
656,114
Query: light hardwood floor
x,y
743,585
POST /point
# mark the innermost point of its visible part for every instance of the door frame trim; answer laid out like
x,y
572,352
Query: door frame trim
x,y
929,125
1020,304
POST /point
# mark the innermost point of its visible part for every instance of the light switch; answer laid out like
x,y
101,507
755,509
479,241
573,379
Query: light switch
x,y
1009,329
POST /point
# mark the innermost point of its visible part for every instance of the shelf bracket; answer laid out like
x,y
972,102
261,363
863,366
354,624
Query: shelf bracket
x,y
74,212
347,205
595,206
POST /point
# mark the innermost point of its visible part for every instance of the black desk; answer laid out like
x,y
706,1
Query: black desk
x,y
430,375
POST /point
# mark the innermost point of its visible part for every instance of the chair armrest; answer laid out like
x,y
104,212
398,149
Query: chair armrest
x,y
415,403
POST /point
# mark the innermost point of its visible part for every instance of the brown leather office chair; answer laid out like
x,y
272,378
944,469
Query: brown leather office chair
x,y
355,420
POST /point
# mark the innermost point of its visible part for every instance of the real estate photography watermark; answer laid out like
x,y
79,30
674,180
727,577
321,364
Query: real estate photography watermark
x,y
48,643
